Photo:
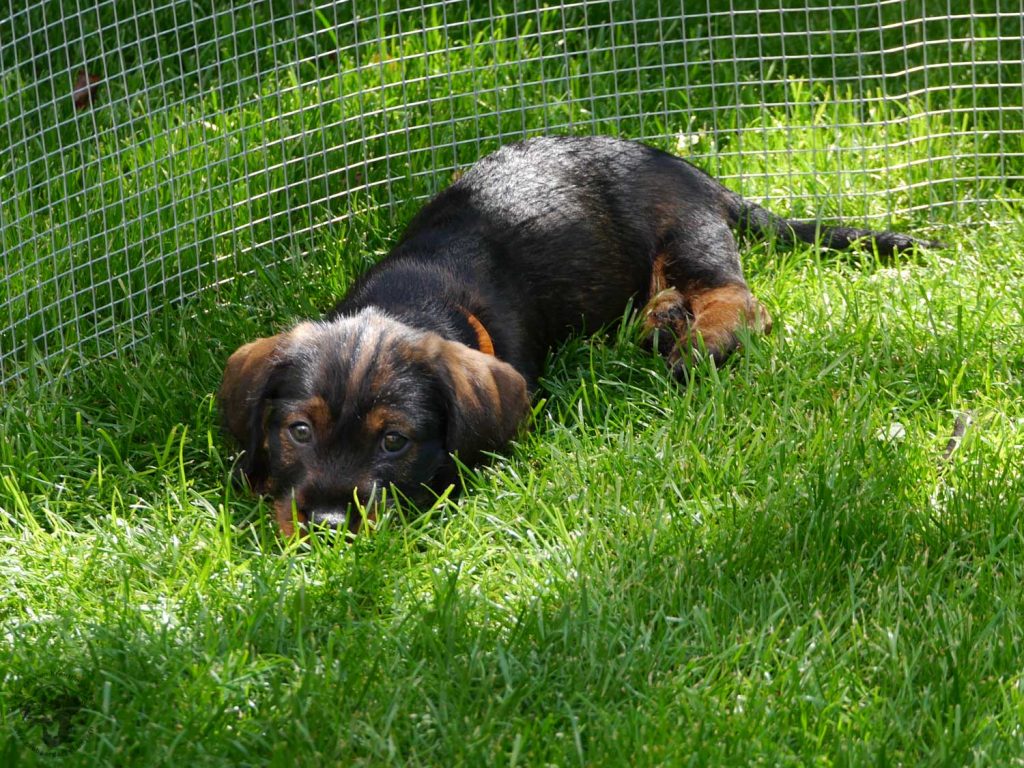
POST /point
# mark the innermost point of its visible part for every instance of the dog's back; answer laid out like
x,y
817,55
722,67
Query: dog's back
x,y
569,227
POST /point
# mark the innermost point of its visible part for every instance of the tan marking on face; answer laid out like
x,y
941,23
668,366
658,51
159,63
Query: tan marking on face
x,y
285,518
384,417
377,419
315,411
319,413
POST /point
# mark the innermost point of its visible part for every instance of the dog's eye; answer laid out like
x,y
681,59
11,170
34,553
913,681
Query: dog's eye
x,y
300,431
394,442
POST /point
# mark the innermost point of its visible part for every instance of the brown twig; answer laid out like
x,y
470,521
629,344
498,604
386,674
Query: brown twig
x,y
963,421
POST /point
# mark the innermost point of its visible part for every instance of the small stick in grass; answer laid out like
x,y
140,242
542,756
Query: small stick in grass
x,y
963,420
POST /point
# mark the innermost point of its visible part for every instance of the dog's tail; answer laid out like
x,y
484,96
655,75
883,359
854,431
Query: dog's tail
x,y
762,223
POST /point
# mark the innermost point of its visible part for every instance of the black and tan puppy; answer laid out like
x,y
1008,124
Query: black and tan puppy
x,y
436,350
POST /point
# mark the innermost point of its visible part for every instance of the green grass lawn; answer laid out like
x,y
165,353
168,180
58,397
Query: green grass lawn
x,y
772,565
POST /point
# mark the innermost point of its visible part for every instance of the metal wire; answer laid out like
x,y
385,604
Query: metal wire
x,y
147,147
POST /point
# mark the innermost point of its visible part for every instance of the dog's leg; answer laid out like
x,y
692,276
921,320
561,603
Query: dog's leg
x,y
699,299
682,326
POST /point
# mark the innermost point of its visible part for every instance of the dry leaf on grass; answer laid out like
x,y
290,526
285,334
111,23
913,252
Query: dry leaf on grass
x,y
84,89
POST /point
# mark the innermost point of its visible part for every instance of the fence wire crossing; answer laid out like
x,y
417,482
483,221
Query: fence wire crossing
x,y
150,149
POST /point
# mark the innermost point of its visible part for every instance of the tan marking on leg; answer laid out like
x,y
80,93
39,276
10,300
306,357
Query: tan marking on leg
x,y
705,320
731,305
720,312
659,282
662,306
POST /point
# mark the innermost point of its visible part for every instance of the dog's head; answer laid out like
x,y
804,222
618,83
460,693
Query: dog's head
x,y
334,413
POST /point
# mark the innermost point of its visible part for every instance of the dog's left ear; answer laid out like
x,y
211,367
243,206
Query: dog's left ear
x,y
240,398
487,400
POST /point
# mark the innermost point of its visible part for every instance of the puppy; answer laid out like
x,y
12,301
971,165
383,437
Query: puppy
x,y
435,351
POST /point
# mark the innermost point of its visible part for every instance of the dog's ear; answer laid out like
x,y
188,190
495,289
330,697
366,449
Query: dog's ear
x,y
487,400
241,399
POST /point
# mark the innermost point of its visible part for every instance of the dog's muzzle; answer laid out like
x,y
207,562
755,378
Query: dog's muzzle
x,y
337,515
350,519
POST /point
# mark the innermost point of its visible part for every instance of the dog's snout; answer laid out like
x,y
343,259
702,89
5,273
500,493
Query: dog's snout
x,y
328,518
348,518
342,511
332,518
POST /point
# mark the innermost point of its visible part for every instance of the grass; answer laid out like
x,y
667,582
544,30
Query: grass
x,y
759,568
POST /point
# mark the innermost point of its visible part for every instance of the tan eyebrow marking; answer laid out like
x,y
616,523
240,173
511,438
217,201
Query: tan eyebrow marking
x,y
383,416
315,410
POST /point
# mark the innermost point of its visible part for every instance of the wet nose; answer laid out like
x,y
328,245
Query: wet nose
x,y
339,519
339,509
333,519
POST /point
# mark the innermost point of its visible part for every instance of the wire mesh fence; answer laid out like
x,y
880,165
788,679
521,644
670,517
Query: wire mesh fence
x,y
151,149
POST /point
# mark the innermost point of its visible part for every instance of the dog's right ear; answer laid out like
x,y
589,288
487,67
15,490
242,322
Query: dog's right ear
x,y
241,397
487,399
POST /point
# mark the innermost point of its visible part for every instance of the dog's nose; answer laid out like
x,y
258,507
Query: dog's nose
x,y
340,511
329,519
339,519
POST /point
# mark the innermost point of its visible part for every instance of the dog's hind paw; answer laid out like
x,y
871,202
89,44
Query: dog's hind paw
x,y
683,328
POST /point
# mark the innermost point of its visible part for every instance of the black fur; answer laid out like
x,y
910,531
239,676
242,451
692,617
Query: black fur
x,y
553,236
